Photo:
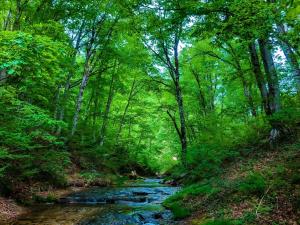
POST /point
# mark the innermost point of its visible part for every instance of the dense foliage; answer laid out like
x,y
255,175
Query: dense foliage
x,y
152,86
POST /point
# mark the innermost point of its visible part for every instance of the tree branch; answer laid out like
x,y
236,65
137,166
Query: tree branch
x,y
175,124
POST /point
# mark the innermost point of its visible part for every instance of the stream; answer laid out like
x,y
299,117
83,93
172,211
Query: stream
x,y
139,202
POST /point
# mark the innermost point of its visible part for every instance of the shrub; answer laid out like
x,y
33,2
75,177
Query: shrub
x,y
28,149
179,211
254,183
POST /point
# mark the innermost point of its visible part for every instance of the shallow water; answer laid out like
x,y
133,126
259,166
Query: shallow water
x,y
139,202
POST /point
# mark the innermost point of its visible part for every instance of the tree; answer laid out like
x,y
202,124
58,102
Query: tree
x,y
163,38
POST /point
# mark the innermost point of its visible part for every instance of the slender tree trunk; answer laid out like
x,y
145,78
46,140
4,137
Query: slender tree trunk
x,y
107,110
201,96
175,74
183,136
3,76
69,77
7,20
246,85
61,112
259,77
248,94
57,99
19,12
272,78
212,92
80,99
63,101
131,94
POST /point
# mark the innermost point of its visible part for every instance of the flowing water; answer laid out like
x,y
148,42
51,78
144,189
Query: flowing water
x,y
137,203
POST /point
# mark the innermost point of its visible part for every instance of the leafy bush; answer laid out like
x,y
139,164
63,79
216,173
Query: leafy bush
x,y
206,161
28,149
288,119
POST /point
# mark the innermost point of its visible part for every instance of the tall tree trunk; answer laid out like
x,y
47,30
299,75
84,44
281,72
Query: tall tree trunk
x,y
259,77
248,94
131,94
19,11
272,78
246,85
3,76
97,111
212,92
61,110
65,96
83,85
56,105
7,20
107,110
201,96
179,98
273,85
175,74
183,136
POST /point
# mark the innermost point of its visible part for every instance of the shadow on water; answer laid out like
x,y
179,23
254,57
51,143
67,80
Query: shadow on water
x,y
139,202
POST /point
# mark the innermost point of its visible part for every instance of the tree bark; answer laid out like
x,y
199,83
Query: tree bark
x,y
107,111
131,95
246,85
179,99
248,94
19,11
69,77
57,99
259,77
7,21
201,96
183,137
3,76
83,85
272,78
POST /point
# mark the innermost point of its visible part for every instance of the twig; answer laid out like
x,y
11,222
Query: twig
x,y
260,202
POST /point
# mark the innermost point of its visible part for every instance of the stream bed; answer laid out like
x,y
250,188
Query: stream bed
x,y
139,202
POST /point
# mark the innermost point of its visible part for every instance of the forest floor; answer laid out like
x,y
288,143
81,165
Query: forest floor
x,y
260,188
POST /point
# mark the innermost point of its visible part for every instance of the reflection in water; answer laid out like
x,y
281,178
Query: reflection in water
x,y
138,203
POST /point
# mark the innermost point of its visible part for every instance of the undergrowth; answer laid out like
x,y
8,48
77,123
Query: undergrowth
x,y
260,187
